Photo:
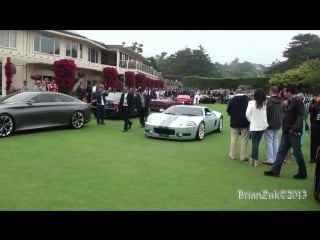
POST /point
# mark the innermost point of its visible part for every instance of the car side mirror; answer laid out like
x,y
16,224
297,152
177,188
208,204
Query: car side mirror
x,y
29,102
209,114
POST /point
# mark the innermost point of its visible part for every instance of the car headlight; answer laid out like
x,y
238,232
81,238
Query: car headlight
x,y
149,119
188,124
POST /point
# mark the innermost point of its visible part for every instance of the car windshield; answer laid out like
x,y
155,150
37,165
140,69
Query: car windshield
x,y
114,96
15,97
188,111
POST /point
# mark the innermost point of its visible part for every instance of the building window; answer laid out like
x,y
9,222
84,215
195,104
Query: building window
x,y
46,44
81,51
93,55
8,38
72,49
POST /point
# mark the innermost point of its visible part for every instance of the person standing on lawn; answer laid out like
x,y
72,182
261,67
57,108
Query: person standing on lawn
x,y
275,111
291,136
239,124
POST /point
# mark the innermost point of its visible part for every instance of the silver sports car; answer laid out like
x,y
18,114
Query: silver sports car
x,y
183,122
32,110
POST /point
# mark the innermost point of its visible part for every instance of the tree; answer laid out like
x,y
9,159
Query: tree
x,y
136,47
186,62
153,63
302,47
306,76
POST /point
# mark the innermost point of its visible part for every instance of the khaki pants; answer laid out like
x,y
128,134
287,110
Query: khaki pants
x,y
245,134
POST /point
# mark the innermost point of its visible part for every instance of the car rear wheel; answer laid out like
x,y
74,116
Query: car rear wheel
x,y
201,131
77,120
6,125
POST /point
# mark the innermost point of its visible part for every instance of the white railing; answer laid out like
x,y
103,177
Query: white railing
x,y
134,65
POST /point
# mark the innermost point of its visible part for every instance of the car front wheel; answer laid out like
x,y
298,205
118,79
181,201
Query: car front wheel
x,y
220,127
201,131
6,125
77,120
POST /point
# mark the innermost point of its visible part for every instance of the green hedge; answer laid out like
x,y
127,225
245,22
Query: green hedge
x,y
194,82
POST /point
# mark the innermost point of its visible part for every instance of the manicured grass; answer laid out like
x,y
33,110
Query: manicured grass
x,y
102,168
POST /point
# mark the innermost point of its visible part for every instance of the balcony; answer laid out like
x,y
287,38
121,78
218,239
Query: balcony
x,y
133,65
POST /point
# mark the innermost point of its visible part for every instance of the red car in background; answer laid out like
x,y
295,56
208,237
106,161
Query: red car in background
x,y
184,99
159,105
111,106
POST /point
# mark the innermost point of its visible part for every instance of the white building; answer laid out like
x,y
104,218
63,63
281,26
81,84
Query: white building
x,y
33,52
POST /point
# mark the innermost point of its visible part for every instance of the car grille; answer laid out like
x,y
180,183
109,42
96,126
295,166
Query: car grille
x,y
166,131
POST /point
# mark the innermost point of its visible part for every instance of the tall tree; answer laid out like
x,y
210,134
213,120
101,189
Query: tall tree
x,y
301,48
306,76
136,47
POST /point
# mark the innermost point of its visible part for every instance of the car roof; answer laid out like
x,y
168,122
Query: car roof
x,y
189,106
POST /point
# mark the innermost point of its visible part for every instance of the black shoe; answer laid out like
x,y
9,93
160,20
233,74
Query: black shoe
x,y
125,130
103,124
313,161
270,174
299,176
130,124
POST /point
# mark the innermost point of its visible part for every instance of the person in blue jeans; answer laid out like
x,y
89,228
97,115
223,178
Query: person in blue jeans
x,y
256,114
275,111
100,95
291,136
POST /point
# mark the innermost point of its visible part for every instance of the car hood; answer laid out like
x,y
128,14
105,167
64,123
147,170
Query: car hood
x,y
168,120
113,101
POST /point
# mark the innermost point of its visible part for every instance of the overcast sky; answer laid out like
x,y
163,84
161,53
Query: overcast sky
x,y
223,46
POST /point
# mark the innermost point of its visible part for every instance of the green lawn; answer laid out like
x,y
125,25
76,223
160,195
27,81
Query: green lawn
x,y
102,168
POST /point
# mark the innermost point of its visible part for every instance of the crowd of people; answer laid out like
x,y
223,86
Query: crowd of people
x,y
259,115
253,115
41,85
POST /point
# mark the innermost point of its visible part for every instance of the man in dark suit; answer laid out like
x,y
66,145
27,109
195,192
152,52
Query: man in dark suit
x,y
141,101
126,105
100,95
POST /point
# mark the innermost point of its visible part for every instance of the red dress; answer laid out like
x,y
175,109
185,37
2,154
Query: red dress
x,y
53,87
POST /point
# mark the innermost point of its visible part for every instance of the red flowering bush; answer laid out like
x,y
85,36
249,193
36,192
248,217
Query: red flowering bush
x,y
161,83
111,77
9,74
64,70
119,86
130,79
152,84
140,80
147,82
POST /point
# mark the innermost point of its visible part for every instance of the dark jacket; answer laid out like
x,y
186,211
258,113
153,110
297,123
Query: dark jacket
x,y
80,92
315,115
275,112
236,108
293,117
98,95
138,104
130,101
